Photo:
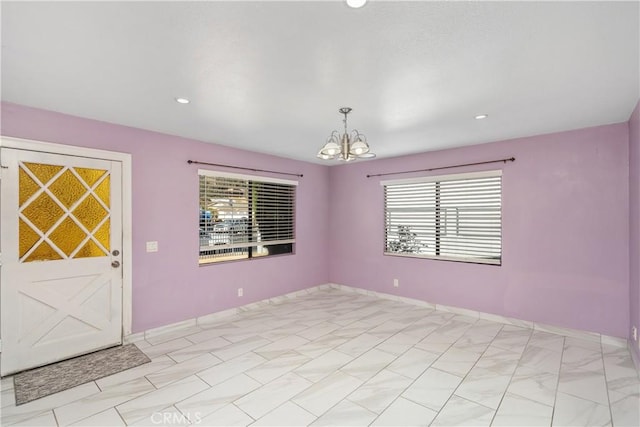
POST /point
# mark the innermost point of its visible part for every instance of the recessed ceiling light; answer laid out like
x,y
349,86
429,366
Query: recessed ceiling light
x,y
182,100
356,3
481,116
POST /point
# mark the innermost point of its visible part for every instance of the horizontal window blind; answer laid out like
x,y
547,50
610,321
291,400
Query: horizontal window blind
x,y
454,217
245,218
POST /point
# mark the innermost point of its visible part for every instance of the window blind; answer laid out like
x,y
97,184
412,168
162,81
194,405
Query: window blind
x,y
454,217
245,217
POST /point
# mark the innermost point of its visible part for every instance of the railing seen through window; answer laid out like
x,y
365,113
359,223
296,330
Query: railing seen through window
x,y
453,217
243,217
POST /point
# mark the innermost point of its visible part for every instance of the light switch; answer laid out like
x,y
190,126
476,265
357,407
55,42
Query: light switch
x,y
152,246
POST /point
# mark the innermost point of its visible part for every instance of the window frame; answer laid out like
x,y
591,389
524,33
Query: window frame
x,y
438,216
249,179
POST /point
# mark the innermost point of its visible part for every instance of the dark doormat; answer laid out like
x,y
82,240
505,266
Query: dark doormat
x,y
40,382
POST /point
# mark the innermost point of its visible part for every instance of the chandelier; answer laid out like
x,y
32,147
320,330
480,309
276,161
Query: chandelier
x,y
346,147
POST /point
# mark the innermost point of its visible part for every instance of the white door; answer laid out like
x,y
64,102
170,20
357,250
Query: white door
x,y
61,278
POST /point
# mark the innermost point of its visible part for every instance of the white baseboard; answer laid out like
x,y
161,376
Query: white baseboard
x,y
209,319
216,317
584,335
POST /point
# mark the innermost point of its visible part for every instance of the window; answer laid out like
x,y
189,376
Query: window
x,y
244,217
452,217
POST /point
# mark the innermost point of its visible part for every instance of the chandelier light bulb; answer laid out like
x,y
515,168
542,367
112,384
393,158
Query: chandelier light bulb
x,y
330,148
359,147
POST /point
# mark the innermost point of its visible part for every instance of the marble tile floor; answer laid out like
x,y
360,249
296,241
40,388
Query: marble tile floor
x,y
340,358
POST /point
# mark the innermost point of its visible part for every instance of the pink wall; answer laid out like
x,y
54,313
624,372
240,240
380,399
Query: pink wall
x,y
634,224
566,210
565,232
168,286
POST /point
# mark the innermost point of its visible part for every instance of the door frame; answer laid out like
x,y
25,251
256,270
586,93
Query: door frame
x,y
127,246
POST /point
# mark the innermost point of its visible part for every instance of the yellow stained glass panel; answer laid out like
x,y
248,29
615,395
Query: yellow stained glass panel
x,y
90,176
43,172
27,237
43,252
27,187
67,188
67,236
102,234
90,212
43,212
90,249
103,190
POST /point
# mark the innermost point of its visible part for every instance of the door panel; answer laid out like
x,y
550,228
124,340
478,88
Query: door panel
x,y
61,218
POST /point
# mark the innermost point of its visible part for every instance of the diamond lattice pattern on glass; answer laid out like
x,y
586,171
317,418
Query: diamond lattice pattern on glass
x,y
63,212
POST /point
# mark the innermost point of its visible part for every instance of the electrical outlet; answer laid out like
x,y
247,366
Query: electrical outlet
x,y
634,333
240,292
396,283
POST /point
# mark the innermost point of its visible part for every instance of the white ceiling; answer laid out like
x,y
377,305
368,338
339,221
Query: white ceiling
x,y
270,76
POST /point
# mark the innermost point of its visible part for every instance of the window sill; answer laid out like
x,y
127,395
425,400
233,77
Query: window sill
x,y
496,262
233,261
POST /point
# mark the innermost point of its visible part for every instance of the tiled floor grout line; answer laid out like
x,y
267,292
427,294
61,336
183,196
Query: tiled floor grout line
x,y
415,379
364,382
346,363
114,407
466,375
604,371
361,314
119,416
240,409
413,347
357,404
412,382
555,398
400,395
511,377
463,378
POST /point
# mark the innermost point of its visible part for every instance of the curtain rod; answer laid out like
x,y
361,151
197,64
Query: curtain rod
x,y
239,167
510,159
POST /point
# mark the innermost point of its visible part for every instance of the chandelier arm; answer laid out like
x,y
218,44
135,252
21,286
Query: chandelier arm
x,y
334,137
357,133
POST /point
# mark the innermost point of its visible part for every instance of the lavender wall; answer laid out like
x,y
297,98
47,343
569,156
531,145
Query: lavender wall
x,y
565,232
168,286
566,258
634,224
